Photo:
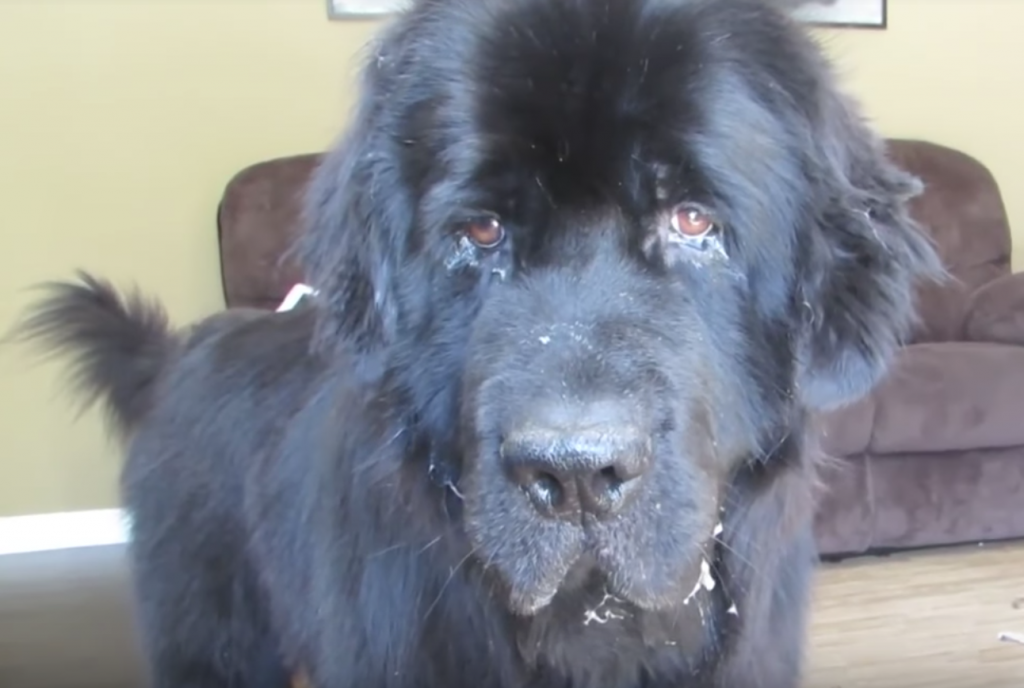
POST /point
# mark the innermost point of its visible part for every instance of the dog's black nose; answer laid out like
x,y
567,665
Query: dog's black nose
x,y
583,462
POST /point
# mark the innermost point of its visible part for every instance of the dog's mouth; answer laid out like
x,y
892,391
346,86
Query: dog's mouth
x,y
603,585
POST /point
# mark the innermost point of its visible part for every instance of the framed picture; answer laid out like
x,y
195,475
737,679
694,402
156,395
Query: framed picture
x,y
852,13
837,13
363,9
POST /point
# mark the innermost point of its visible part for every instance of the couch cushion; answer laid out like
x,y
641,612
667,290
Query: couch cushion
x,y
950,396
259,217
920,500
943,499
844,520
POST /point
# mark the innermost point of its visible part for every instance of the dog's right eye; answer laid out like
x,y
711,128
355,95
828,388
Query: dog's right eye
x,y
691,221
484,232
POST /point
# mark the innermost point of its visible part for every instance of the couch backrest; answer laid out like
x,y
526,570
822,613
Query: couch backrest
x,y
258,219
963,211
961,207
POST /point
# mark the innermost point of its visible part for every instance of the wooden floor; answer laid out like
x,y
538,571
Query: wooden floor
x,y
923,619
907,621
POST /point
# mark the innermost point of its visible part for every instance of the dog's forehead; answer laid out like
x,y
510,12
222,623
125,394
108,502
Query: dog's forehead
x,y
582,91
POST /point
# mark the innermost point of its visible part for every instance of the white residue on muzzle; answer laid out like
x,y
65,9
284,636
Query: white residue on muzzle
x,y
597,616
705,581
714,534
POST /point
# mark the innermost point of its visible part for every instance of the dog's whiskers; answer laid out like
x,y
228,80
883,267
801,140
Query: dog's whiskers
x,y
735,553
386,550
778,444
403,545
429,545
451,576
370,462
450,484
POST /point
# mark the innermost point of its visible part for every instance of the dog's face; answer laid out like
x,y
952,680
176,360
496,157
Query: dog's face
x,y
622,247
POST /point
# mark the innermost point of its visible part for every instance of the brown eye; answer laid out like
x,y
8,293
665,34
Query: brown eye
x,y
691,221
485,232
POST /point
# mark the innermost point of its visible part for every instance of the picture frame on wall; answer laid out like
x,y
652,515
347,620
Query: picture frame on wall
x,y
834,13
364,9
864,14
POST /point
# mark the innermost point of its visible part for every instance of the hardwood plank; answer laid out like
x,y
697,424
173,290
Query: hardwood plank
x,y
906,621
919,619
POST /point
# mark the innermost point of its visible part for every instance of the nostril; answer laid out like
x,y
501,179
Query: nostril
x,y
607,479
547,492
608,489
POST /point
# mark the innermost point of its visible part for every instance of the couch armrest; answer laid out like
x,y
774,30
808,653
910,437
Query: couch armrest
x,y
995,312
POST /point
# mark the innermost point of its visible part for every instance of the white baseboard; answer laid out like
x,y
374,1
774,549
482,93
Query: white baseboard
x,y
67,530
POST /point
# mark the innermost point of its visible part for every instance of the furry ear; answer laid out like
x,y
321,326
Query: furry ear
x,y
864,256
357,213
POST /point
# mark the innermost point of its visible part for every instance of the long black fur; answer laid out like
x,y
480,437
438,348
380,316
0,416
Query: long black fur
x,y
322,490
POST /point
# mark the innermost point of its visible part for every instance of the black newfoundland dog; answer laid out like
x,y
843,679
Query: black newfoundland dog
x,y
585,268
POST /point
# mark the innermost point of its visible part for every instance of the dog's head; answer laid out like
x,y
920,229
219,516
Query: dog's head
x,y
627,245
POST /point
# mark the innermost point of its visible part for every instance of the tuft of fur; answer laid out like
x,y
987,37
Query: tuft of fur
x,y
117,344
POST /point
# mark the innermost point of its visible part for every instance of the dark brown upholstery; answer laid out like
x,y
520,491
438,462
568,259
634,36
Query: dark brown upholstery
x,y
258,218
963,210
935,455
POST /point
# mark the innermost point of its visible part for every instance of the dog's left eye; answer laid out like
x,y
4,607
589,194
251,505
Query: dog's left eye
x,y
691,221
484,232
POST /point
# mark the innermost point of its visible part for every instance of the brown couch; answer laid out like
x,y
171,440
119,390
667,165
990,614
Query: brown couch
x,y
934,456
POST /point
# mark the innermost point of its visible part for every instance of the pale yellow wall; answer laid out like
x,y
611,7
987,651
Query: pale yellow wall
x,y
121,120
